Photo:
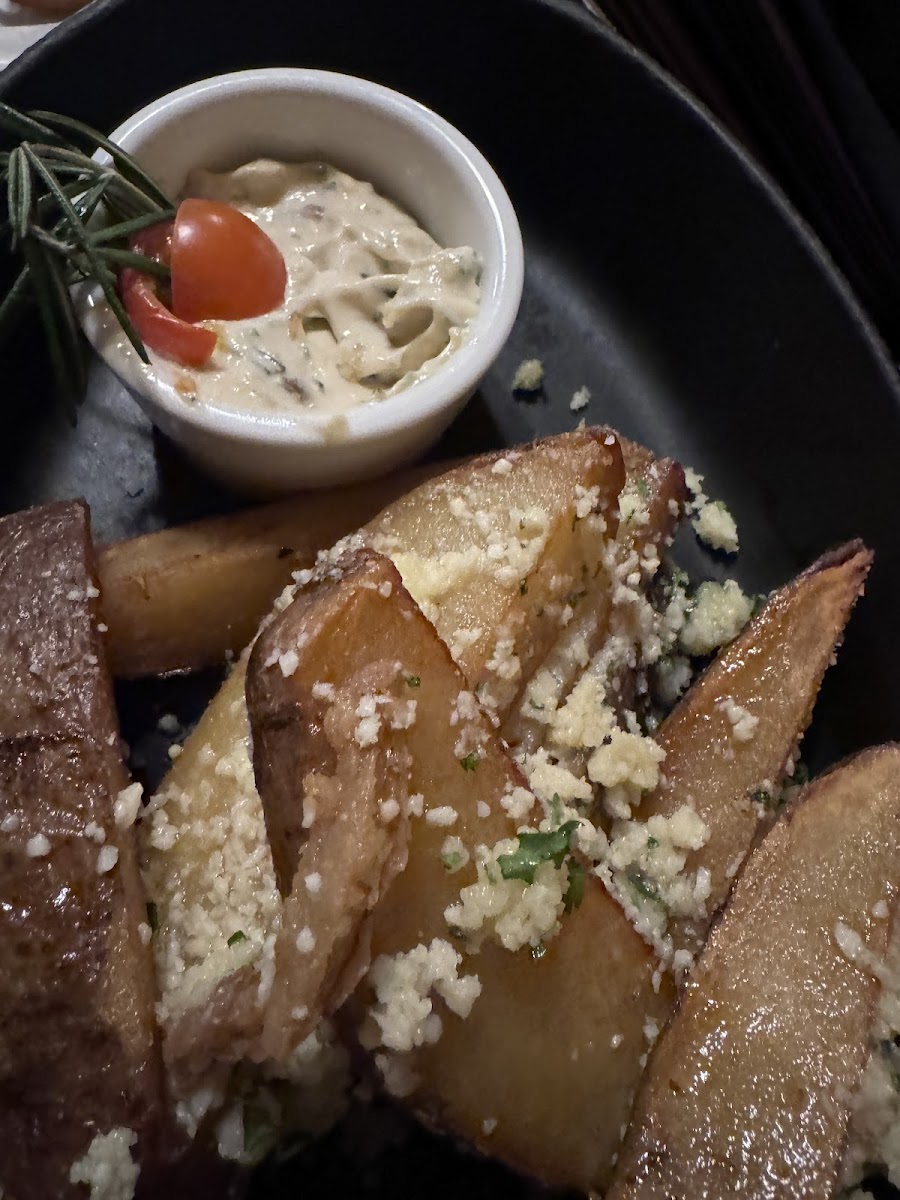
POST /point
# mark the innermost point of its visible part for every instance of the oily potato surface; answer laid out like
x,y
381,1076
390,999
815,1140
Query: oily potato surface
x,y
748,1091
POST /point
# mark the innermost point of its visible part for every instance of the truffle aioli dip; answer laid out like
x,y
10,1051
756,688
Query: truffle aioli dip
x,y
372,304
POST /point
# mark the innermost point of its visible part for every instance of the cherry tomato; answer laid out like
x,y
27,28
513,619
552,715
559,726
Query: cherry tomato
x,y
224,267
160,329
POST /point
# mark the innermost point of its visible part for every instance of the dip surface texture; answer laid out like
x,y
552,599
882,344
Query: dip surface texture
x,y
373,303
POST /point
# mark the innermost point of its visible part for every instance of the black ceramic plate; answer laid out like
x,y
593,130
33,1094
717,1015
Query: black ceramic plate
x,y
662,272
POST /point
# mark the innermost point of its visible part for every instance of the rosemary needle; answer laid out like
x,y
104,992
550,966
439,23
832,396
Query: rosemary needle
x,y
69,219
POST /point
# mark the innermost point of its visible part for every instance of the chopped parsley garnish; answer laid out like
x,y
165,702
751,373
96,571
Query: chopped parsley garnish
x,y
237,936
652,843
537,848
556,808
575,891
766,799
414,680
645,891
452,860
800,775
538,951
760,600
152,916
260,1133
470,762
642,487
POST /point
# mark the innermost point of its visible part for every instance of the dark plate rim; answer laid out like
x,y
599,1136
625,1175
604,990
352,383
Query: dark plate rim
x,y
80,23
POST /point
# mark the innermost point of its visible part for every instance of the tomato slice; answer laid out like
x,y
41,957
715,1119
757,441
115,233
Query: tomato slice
x,y
160,329
224,267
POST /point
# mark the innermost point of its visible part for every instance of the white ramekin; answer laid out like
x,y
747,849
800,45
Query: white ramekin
x,y
411,155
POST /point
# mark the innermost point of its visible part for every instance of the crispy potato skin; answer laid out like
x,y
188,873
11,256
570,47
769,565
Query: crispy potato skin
x,y
185,598
774,670
747,1090
77,1031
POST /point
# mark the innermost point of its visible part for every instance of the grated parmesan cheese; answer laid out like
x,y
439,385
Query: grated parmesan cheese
x,y
107,1167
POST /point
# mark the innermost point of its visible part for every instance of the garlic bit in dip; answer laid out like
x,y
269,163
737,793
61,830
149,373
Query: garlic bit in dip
x,y
372,305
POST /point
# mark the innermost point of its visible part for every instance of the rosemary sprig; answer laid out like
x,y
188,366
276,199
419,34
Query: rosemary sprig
x,y
70,218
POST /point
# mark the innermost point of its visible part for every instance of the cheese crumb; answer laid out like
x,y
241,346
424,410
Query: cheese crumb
x,y
388,810
743,723
446,815
580,400
127,805
95,832
107,1167
306,940
10,823
107,859
404,983
313,883
719,614
715,526
529,375
288,662
37,846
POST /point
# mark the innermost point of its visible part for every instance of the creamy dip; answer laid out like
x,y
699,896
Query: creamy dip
x,y
373,303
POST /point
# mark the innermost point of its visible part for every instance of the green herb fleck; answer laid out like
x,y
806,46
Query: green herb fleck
x,y
575,891
470,762
260,1134
760,600
556,808
800,775
152,916
645,891
414,680
652,843
537,848
766,799
642,487
237,936
452,860
538,951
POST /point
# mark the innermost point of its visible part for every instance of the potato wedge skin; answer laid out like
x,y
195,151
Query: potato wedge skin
x,y
747,1090
187,597
78,1051
774,670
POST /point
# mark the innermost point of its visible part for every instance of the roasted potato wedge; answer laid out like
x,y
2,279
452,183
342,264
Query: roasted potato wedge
x,y
499,554
748,1090
187,597
78,1053
513,1083
772,673
650,504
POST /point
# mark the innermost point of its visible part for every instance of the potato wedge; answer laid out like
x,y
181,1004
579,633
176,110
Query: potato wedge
x,y
499,556
78,1052
747,1092
772,672
650,503
512,1083
187,597
207,861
